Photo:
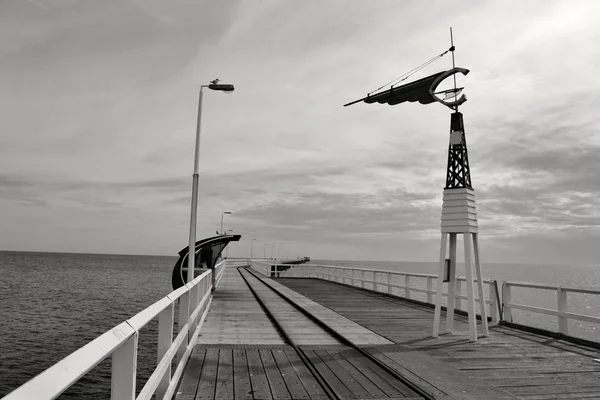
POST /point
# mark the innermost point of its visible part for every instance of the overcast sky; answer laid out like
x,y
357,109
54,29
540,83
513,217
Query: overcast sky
x,y
98,107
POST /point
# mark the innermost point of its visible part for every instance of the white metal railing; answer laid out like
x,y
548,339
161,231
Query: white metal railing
x,y
561,298
379,280
121,342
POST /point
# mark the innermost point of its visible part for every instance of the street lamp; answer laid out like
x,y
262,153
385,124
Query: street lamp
x,y
226,88
252,247
265,251
222,214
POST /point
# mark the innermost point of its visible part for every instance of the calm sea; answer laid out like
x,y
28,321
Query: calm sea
x,y
52,304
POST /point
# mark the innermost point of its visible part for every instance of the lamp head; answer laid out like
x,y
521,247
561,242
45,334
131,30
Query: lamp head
x,y
222,87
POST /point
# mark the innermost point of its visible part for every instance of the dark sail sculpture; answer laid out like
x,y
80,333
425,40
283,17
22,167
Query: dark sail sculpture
x,y
459,214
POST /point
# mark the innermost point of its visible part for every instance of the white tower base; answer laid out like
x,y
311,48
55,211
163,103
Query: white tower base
x,y
459,216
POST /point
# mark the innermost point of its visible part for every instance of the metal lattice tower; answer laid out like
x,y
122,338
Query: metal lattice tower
x,y
458,174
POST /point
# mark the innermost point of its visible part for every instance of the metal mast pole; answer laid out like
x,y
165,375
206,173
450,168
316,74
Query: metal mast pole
x,y
453,64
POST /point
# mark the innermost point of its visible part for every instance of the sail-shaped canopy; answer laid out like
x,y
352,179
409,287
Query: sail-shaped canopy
x,y
422,90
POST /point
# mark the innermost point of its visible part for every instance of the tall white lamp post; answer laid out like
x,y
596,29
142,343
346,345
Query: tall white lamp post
x,y
214,85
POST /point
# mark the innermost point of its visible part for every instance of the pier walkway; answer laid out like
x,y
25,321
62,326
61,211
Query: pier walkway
x,y
306,338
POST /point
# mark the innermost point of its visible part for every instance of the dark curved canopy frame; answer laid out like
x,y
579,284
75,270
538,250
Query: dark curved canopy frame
x,y
207,253
422,90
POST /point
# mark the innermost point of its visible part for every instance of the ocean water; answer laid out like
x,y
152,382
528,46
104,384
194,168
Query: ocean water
x,y
52,304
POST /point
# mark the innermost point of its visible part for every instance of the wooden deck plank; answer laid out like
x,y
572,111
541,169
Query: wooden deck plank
x,y
356,374
235,317
258,377
224,385
291,379
428,372
312,387
241,375
276,382
208,375
300,328
350,330
342,374
332,380
383,380
190,380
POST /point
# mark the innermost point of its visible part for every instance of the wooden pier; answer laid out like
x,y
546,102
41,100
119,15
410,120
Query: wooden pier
x,y
301,338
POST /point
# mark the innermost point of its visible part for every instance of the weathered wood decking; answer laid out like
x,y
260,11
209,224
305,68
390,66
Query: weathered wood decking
x,y
243,354
524,364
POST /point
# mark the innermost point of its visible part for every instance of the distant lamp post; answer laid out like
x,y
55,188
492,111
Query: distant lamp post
x,y
272,247
226,88
265,251
252,247
222,214
227,247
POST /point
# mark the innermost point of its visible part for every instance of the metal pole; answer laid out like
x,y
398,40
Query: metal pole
x,y
272,247
453,65
194,210
265,251
252,247
222,223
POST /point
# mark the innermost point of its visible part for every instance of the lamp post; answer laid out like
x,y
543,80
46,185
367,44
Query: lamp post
x,y
214,85
222,214
252,247
265,251
227,247
272,247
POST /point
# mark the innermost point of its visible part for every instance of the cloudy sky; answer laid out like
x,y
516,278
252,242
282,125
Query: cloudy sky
x,y
98,103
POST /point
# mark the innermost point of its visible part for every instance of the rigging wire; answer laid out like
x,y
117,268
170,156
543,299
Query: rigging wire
x,y
408,74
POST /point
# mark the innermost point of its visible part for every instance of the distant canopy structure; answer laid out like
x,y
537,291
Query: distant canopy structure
x,y
207,253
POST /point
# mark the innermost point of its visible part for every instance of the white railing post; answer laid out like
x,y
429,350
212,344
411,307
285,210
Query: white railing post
x,y
407,286
563,322
429,289
492,287
457,292
389,283
165,340
184,314
124,366
362,278
506,299
194,301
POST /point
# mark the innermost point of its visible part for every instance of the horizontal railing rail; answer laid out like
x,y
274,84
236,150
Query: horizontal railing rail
x,y
368,279
121,342
561,311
